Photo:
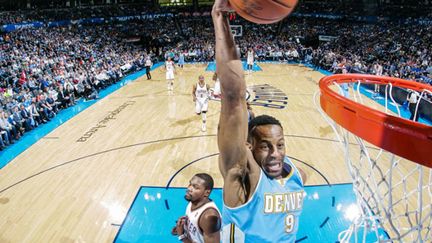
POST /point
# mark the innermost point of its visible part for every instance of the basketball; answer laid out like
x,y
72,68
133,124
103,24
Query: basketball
x,y
263,11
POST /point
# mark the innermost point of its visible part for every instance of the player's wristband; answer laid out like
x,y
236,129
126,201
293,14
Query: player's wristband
x,y
182,237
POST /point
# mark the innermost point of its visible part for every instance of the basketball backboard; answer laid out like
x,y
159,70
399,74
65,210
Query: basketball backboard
x,y
236,30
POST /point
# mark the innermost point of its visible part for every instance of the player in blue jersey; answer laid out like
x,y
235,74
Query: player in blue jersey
x,y
263,190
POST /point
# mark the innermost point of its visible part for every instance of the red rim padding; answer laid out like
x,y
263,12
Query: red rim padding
x,y
405,138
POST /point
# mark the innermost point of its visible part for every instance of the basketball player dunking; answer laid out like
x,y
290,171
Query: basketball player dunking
x,y
263,190
200,93
170,67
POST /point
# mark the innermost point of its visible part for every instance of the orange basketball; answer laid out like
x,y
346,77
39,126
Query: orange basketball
x,y
263,11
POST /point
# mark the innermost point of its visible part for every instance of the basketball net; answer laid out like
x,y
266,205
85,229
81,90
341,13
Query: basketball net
x,y
393,194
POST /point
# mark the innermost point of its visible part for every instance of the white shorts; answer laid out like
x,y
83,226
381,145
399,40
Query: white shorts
x,y
250,62
170,75
201,105
217,89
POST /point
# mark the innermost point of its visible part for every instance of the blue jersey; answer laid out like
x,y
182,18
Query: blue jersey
x,y
272,213
181,60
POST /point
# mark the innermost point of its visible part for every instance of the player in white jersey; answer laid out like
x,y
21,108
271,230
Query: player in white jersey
x,y
200,93
216,91
202,222
378,70
250,60
170,68
148,64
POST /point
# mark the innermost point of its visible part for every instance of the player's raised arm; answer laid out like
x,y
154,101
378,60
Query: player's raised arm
x,y
232,132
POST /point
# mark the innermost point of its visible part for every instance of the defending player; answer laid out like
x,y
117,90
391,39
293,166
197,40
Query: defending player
x,y
250,60
202,222
170,68
200,93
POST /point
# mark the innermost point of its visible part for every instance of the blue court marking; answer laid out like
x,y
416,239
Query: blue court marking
x,y
279,97
185,166
270,100
211,67
268,96
325,72
325,214
63,116
267,105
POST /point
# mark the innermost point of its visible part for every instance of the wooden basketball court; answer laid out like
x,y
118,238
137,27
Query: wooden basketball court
x,y
77,183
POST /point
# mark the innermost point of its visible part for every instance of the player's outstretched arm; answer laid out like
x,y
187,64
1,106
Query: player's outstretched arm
x,y
236,163
232,133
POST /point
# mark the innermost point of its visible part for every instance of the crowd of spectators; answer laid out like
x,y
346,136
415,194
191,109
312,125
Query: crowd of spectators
x,y
393,9
48,69
403,50
47,15
414,9
45,70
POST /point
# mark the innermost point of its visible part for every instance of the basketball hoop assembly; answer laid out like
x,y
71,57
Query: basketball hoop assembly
x,y
236,30
389,159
